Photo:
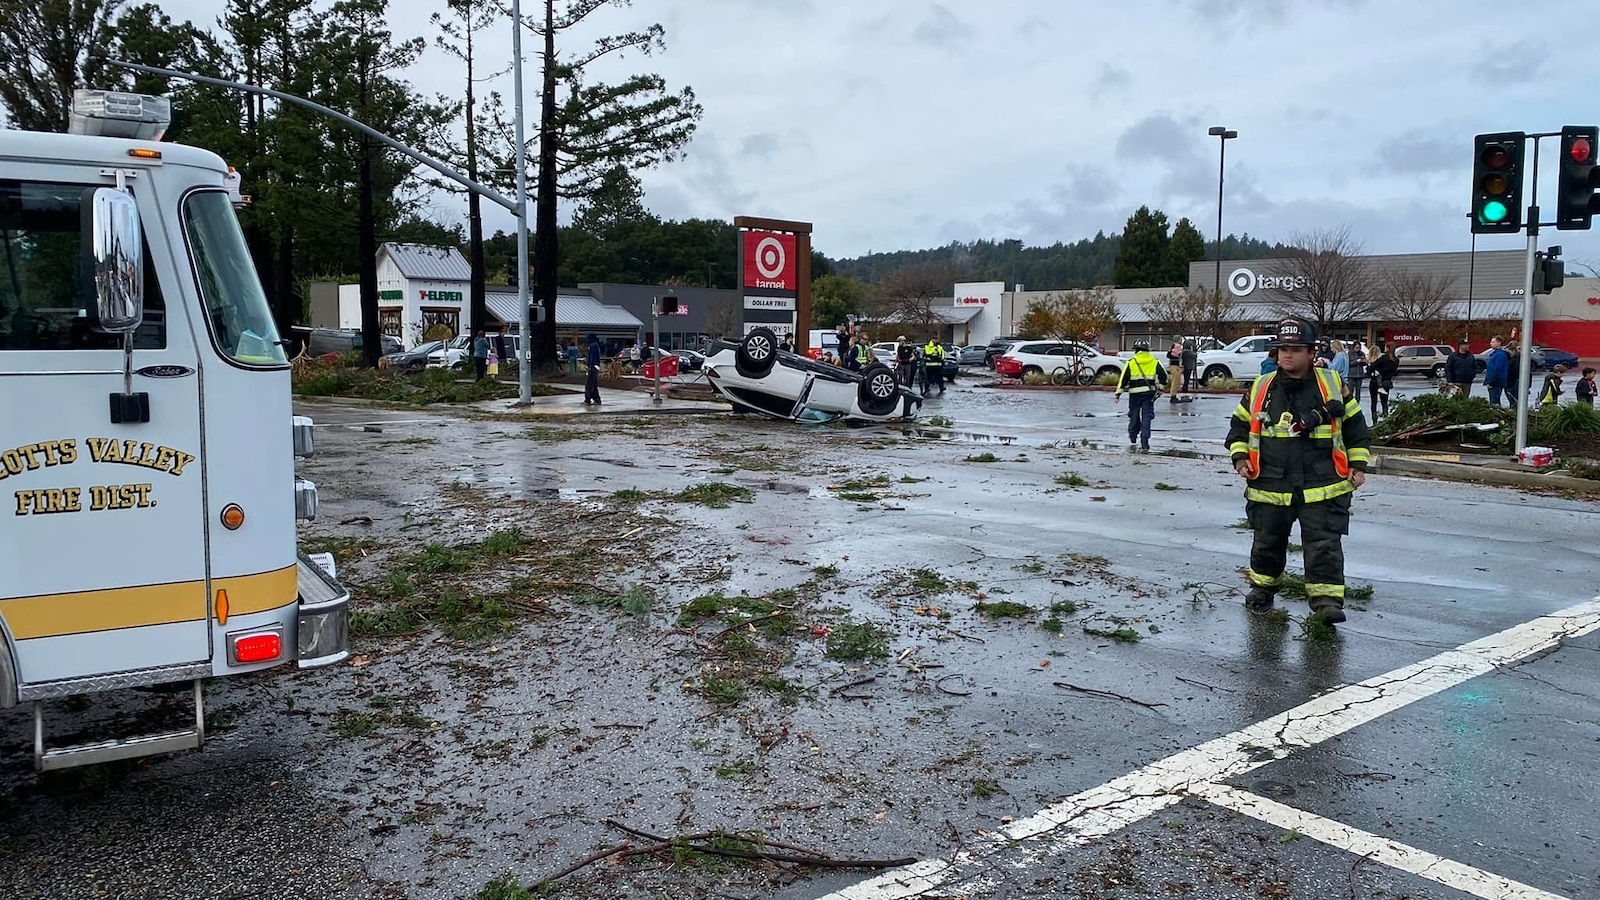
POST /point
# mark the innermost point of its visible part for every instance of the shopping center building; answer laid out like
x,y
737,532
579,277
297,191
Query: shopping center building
x,y
1479,294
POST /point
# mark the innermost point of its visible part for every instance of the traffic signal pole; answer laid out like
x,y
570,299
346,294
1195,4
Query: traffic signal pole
x,y
1525,346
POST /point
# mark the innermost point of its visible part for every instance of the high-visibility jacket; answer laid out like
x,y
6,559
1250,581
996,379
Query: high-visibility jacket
x,y
863,354
1141,374
1282,461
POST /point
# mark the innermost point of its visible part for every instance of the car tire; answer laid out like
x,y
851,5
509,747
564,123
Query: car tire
x,y
755,355
879,391
1437,371
1214,372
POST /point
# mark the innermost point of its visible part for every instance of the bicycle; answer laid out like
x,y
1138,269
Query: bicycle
x,y
1079,374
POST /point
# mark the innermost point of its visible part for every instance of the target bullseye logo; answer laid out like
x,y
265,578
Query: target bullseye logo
x,y
770,258
1241,282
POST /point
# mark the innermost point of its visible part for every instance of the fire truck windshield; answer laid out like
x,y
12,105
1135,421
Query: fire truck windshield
x,y
235,308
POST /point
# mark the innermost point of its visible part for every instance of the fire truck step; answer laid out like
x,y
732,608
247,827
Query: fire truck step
x,y
55,758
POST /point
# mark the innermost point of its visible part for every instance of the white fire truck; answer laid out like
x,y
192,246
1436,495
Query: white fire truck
x,y
148,496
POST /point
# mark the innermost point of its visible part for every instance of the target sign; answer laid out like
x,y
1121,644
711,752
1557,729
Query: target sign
x,y
1242,282
769,261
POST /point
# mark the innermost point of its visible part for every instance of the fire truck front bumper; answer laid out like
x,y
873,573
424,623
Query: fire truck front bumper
x,y
324,613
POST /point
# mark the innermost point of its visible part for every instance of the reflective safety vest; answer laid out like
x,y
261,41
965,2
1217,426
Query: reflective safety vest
x,y
933,353
863,354
1328,381
1141,373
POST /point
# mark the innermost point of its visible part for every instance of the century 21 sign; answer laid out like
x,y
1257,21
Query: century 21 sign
x,y
769,261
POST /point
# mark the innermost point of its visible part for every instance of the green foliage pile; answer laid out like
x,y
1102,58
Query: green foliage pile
x,y
321,378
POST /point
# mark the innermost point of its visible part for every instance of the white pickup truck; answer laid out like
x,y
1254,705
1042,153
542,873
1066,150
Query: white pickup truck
x,y
1240,360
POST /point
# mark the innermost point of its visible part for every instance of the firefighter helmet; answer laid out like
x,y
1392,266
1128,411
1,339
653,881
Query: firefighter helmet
x,y
1294,332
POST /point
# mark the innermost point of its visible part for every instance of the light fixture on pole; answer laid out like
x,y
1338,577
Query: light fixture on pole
x,y
1223,135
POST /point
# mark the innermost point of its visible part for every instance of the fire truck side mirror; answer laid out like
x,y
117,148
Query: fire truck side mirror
x,y
115,246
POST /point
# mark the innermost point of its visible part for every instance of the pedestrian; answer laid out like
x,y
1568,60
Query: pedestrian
x,y
1174,368
480,354
1585,389
786,344
1341,360
1515,392
1191,355
1324,355
1358,369
1550,394
1384,369
591,387
933,363
1301,444
1461,369
863,352
573,355
1269,363
1142,379
1495,370
905,357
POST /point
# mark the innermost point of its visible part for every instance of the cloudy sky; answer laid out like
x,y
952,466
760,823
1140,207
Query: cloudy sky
x,y
902,124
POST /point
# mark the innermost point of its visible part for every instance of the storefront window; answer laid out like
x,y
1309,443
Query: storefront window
x,y
235,307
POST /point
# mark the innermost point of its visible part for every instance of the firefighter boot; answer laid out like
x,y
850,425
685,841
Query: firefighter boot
x,y
1328,612
1259,600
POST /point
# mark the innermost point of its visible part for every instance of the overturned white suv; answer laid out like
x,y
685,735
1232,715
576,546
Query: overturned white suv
x,y
755,375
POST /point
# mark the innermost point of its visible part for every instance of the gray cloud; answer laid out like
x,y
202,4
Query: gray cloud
x,y
1160,136
1519,62
1033,26
760,146
1111,78
1422,154
941,28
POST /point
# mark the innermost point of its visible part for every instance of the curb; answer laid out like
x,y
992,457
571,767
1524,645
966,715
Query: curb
x,y
1395,464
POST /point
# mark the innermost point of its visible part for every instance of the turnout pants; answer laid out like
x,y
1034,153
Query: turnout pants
x,y
1141,413
1322,528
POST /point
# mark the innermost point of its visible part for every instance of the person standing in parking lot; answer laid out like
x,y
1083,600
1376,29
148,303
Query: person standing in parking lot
x,y
933,363
1461,370
905,357
1300,442
1495,370
480,354
1191,357
1384,368
591,385
1142,378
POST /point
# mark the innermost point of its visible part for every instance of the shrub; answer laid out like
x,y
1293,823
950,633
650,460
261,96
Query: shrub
x,y
1109,379
1035,378
1565,421
1223,384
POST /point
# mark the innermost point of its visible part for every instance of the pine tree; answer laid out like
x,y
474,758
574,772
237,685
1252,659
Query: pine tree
x,y
1142,255
1185,247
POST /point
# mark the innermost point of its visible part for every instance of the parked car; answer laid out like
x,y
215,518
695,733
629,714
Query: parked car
x,y
973,355
451,354
321,341
1423,359
690,360
1549,357
754,375
998,347
1060,360
413,360
1240,359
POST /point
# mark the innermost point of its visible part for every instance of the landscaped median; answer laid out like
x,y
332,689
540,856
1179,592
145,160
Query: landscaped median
x,y
344,377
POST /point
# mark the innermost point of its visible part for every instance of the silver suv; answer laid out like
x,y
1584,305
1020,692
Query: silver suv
x,y
1422,359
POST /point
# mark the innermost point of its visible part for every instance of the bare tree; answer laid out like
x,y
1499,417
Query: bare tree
x,y
1417,301
1188,310
722,316
908,296
1332,282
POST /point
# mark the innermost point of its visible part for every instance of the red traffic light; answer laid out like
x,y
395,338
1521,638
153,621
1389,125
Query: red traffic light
x,y
1580,151
1495,156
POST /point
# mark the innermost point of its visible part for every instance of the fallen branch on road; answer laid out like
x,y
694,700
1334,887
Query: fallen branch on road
x,y
812,857
1095,692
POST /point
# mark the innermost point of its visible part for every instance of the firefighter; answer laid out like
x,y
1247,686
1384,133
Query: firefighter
x,y
1299,440
1142,378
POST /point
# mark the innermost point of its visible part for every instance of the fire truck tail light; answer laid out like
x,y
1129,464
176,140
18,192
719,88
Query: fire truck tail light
x,y
253,648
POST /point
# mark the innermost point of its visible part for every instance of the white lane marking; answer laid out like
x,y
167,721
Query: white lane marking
x,y
1123,801
1392,853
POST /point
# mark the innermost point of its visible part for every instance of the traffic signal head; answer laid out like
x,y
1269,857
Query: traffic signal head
x,y
1579,176
1497,183
669,306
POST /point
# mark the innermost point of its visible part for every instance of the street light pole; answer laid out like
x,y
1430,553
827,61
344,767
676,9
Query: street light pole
x,y
1223,135
524,315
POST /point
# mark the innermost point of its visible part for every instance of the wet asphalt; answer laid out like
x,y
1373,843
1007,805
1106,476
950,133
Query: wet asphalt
x,y
523,745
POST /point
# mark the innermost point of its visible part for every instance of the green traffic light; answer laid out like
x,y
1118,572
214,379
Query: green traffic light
x,y
1492,212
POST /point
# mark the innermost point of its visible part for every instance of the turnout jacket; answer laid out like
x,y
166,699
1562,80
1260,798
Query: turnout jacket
x,y
1303,461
